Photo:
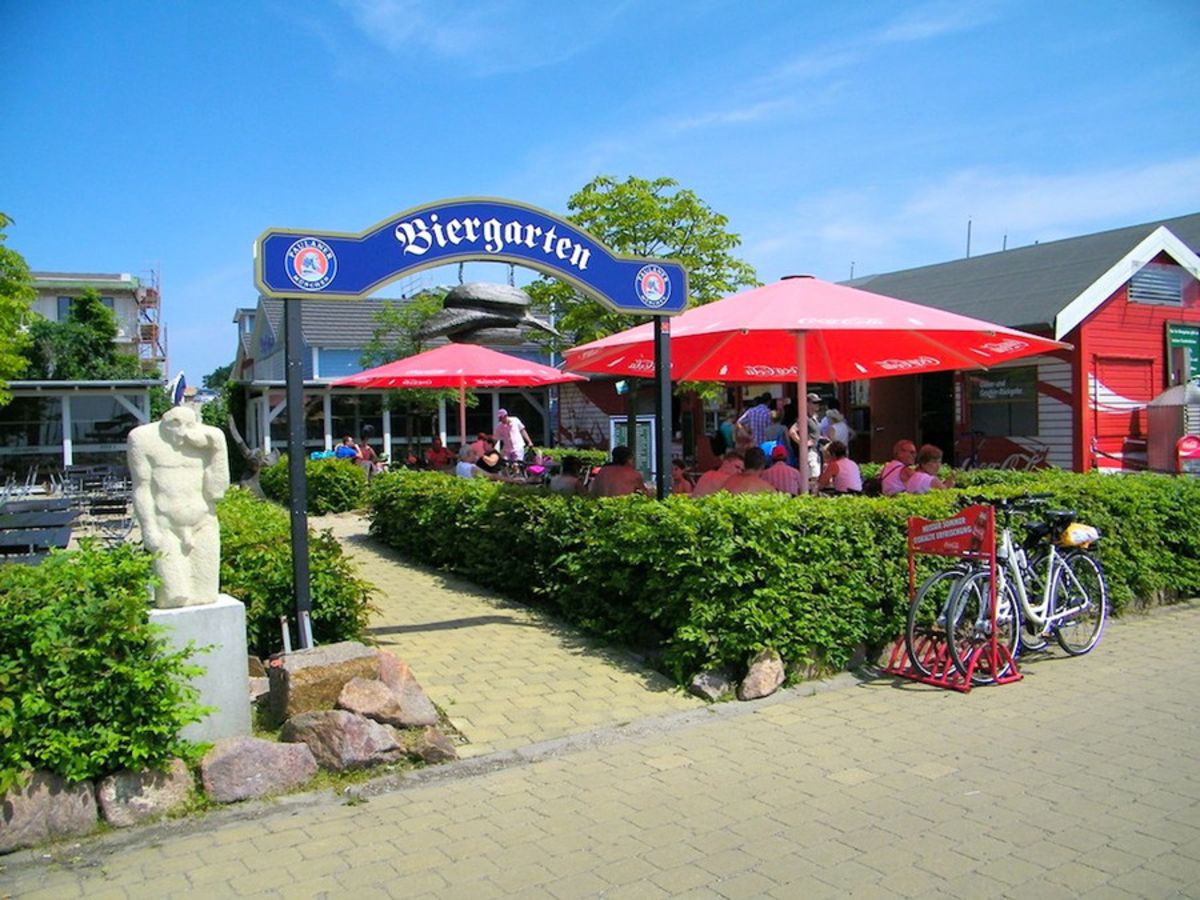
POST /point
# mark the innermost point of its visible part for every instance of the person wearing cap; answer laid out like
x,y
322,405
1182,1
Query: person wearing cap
x,y
511,436
780,475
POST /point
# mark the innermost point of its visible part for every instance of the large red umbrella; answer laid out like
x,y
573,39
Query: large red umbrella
x,y
810,330
459,366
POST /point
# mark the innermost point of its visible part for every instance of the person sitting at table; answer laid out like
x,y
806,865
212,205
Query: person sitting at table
x,y
490,463
894,475
711,482
567,480
368,459
750,480
347,449
467,457
925,478
679,479
841,473
781,476
438,456
619,477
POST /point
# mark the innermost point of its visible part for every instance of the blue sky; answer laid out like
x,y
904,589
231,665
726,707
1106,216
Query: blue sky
x,y
144,135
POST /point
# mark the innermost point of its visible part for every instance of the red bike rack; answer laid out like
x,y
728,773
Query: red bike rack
x,y
971,534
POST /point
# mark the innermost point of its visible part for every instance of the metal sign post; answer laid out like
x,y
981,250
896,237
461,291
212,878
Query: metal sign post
x,y
293,338
662,404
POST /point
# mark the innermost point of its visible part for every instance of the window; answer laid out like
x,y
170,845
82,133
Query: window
x,y
1004,403
64,306
1157,284
100,420
337,363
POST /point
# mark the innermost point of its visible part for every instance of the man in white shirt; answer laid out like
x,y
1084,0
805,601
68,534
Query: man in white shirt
x,y
511,436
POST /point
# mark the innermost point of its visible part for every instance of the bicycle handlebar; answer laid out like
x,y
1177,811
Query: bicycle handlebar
x,y
1008,504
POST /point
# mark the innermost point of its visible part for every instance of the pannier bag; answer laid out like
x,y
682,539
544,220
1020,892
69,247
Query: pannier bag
x,y
1078,535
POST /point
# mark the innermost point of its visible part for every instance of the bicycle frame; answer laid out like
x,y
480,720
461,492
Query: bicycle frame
x,y
1009,570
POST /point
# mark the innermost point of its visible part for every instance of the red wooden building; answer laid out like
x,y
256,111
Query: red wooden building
x,y
1128,300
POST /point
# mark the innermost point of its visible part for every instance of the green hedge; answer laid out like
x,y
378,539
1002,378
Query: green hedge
x,y
256,568
87,685
710,582
334,485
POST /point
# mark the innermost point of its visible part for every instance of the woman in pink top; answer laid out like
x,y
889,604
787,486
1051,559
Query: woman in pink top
x,y
925,478
841,472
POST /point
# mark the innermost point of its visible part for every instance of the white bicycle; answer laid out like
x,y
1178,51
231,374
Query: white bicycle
x,y
1050,585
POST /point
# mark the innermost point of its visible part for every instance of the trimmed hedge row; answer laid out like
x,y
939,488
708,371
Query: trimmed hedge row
x,y
256,568
334,485
711,582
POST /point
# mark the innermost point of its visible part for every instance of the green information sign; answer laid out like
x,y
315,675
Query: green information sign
x,y
1183,352
644,459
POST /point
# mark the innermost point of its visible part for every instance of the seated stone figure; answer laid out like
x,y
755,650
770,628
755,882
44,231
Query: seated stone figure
x,y
180,471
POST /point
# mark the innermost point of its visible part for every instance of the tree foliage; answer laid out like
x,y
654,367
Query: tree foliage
x,y
16,299
654,218
83,347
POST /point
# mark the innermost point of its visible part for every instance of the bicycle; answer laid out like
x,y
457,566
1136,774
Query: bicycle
x,y
1049,586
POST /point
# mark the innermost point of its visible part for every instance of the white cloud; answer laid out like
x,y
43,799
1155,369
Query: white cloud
x,y
484,37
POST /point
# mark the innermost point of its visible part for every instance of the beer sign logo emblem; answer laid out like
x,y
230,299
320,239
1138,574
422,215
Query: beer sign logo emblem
x,y
653,286
311,264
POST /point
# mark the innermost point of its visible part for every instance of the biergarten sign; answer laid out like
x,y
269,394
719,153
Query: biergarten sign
x,y
336,265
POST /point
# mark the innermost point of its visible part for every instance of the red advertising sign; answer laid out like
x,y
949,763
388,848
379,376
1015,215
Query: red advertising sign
x,y
969,533
1187,451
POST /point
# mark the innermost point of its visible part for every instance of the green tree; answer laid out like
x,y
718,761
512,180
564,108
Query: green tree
x,y
16,299
216,379
396,336
83,348
640,217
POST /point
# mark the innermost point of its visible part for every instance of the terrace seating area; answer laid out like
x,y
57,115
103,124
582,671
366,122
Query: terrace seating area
x,y
45,510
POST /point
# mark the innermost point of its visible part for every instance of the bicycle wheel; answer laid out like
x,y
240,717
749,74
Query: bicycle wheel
x,y
927,616
1032,638
1080,591
970,625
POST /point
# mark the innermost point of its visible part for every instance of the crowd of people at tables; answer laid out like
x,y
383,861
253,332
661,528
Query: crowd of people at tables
x,y
761,458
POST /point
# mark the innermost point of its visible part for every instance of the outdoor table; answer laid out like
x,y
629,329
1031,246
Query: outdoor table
x,y
52,518
33,540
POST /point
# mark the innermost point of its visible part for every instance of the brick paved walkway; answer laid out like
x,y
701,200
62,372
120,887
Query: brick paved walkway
x,y
1081,780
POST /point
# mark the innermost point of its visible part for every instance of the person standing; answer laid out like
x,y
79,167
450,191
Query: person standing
x,y
511,436
755,421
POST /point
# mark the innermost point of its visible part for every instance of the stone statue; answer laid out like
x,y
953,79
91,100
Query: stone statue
x,y
180,471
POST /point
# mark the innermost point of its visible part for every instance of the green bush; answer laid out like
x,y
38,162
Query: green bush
x,y
334,485
711,582
87,686
256,568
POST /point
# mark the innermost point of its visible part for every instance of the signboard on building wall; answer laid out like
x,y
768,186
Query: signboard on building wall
x,y
339,265
1183,352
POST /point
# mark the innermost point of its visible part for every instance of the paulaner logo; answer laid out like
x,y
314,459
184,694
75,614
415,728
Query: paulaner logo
x,y
653,286
418,236
311,264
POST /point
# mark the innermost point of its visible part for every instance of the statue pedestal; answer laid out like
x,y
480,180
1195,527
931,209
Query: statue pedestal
x,y
224,683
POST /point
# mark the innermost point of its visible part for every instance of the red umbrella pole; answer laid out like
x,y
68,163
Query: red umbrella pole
x,y
462,411
802,407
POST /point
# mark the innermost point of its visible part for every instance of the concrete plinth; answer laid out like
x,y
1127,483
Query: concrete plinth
x,y
223,684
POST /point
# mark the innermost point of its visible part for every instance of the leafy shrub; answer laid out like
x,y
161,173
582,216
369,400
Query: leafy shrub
x,y
334,485
711,582
87,685
256,568
591,458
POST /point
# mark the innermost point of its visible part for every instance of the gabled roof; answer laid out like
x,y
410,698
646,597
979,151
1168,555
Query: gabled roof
x,y
1028,287
327,323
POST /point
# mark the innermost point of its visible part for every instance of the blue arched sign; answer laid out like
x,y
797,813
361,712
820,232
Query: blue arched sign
x,y
290,263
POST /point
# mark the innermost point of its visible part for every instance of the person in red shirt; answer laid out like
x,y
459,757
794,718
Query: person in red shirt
x,y
438,456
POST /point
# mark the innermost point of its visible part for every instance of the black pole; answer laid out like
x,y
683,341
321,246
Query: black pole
x,y
293,338
662,404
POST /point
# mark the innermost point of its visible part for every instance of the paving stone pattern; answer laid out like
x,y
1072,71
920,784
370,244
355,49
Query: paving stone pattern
x,y
1082,780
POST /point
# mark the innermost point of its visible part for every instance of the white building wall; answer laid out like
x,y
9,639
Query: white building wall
x,y
1055,427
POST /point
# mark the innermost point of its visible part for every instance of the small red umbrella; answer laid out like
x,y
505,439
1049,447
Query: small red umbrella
x,y
459,366
805,329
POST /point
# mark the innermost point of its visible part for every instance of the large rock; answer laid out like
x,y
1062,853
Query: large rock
x,y
712,685
764,678
373,699
312,679
432,746
242,768
343,740
416,709
47,807
128,798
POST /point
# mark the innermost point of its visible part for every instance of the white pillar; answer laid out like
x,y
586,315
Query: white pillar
x,y
327,411
68,450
